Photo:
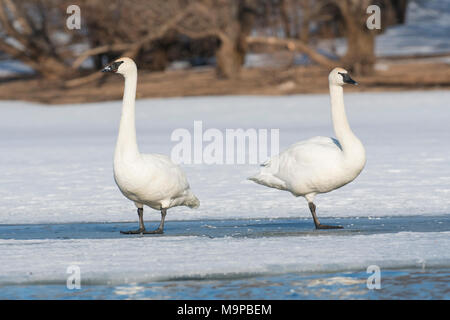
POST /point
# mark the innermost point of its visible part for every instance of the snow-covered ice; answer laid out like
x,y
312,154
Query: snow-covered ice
x,y
56,167
57,160
59,205
136,259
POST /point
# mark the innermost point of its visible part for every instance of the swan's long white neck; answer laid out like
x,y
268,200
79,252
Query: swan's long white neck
x,y
342,129
126,147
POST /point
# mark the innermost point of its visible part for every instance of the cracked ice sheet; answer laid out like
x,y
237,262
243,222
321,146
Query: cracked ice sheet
x,y
138,260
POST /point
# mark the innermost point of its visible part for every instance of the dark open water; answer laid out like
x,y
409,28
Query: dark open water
x,y
417,283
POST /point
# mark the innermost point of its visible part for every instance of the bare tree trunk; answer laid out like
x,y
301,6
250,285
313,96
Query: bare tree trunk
x,y
233,47
229,59
306,13
284,14
360,55
400,7
159,59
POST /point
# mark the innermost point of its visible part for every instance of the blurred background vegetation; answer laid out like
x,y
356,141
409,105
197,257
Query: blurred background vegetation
x,y
186,47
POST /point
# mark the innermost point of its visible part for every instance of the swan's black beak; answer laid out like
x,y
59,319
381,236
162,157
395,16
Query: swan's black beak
x,y
347,79
350,81
112,67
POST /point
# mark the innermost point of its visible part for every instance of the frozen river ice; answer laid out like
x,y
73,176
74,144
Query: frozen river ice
x,y
236,259
60,207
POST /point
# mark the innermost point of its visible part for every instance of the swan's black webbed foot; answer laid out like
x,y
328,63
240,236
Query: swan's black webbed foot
x,y
160,229
317,223
141,229
138,231
157,231
324,226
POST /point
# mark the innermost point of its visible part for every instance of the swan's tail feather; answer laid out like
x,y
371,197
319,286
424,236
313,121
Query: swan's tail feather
x,y
268,174
192,201
254,178
268,180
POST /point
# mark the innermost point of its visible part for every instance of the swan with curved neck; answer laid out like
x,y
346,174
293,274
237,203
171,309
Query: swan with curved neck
x,y
146,179
320,164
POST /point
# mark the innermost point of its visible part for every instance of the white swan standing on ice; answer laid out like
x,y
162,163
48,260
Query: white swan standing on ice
x,y
320,164
146,179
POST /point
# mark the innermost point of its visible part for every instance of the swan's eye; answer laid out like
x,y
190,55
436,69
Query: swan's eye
x,y
344,75
115,66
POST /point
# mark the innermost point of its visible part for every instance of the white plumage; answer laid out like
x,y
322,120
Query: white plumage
x,y
320,164
146,179
153,180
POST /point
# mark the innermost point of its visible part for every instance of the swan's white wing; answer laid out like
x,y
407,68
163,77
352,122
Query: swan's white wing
x,y
305,167
156,181
167,176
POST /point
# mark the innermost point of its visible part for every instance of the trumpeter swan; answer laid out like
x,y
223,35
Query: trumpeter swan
x,y
320,164
146,179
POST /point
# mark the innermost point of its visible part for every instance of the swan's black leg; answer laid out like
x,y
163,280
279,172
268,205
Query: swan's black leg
x,y
160,229
141,224
312,208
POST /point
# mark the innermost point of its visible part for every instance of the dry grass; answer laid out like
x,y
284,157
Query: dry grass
x,y
196,82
